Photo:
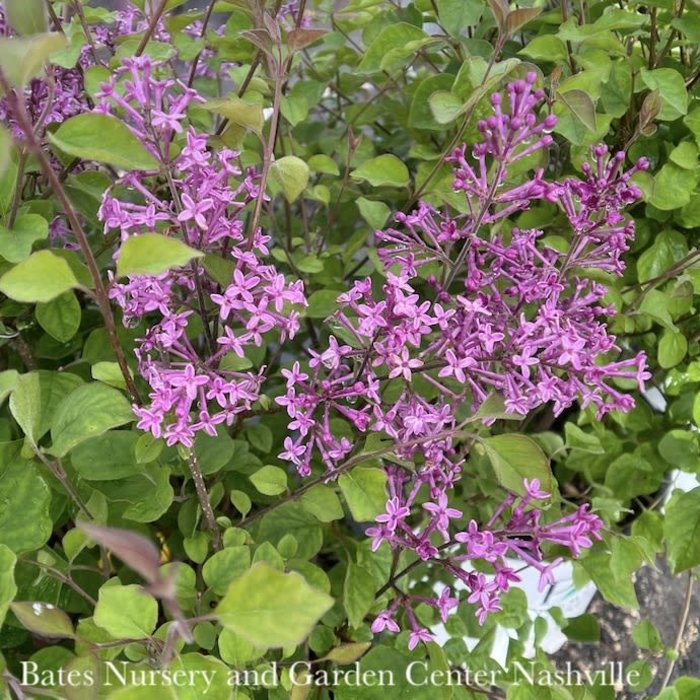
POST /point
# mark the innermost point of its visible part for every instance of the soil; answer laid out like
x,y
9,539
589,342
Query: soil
x,y
661,600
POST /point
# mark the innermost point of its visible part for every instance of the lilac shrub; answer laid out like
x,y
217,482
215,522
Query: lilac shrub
x,y
292,376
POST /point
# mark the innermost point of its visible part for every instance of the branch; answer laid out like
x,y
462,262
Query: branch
x,y
151,28
462,128
268,152
203,496
681,630
342,469
33,144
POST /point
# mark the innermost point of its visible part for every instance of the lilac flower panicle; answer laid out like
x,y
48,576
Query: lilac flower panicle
x,y
193,387
510,315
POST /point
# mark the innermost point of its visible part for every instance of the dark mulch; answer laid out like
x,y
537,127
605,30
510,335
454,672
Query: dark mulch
x,y
661,599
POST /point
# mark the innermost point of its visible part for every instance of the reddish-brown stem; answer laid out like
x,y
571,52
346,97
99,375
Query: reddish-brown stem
x,y
195,60
54,18
203,496
460,132
101,297
268,151
151,27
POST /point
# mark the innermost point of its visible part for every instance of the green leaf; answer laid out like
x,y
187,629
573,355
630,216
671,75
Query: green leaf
x,y
43,619
671,86
687,687
646,636
16,245
347,653
584,628
640,675
126,612
456,15
238,112
153,254
60,317
38,396
106,457
612,573
292,176
547,48
8,383
292,519
241,501
27,16
517,457
616,94
213,453
393,37
8,588
420,115
629,475
672,348
88,411
102,138
682,530
25,405
322,303
680,449
358,593
294,108
692,121
445,106
321,163
364,490
260,437
668,248
41,277
225,566
373,212
143,497
672,187
614,18
685,155
272,609
22,58
25,523
383,170
237,651
108,373
323,503
270,480
581,106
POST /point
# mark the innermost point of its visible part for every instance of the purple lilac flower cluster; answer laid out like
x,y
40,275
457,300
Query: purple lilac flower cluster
x,y
194,386
469,309
515,530
53,98
524,321
60,93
